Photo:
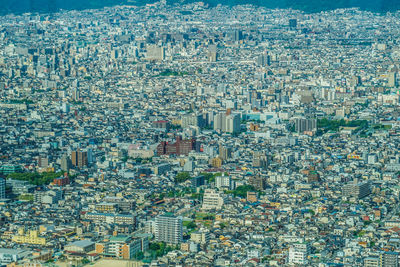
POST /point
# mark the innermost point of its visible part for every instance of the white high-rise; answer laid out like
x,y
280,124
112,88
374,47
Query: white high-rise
x,y
224,182
212,200
298,253
168,229
2,188
233,123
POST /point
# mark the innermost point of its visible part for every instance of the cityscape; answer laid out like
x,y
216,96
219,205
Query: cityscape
x,y
190,134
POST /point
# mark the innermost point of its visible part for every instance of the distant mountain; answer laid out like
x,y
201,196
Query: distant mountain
x,y
312,6
23,6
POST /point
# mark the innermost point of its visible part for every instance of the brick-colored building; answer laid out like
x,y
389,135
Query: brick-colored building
x,y
180,147
61,181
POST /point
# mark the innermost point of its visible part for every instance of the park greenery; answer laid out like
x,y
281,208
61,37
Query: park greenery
x,y
182,177
26,197
156,249
169,72
241,191
325,125
362,127
35,178
20,101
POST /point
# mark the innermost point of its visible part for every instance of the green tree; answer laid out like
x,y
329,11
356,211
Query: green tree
x,y
182,177
242,190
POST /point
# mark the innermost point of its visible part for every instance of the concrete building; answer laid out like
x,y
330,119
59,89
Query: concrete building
x,y
80,246
357,189
212,200
2,188
168,229
298,253
305,125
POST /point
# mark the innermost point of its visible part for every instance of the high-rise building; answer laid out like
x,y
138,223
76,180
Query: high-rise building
x,y
263,60
260,160
392,79
389,259
193,120
43,162
212,53
371,262
224,181
75,94
220,122
122,247
201,237
198,181
305,125
114,54
225,153
355,81
258,182
233,123
237,35
79,158
292,23
298,253
229,123
180,147
212,200
216,162
2,188
65,163
356,189
65,107
155,52
168,229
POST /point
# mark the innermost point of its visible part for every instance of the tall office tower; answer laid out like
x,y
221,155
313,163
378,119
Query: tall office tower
x,y
237,35
303,125
155,52
392,79
193,120
355,81
168,229
114,54
75,94
220,122
2,188
258,182
65,107
79,158
225,153
65,163
264,60
43,162
293,23
260,160
233,123
212,53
